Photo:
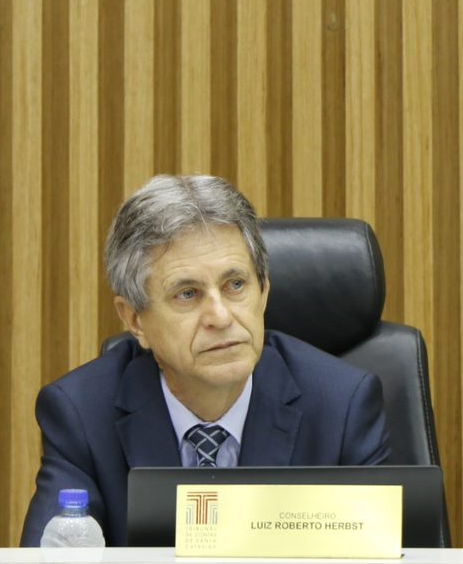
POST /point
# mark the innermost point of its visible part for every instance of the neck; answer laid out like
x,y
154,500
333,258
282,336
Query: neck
x,y
209,405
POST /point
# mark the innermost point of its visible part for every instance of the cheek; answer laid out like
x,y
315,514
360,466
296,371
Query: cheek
x,y
176,334
171,351
253,323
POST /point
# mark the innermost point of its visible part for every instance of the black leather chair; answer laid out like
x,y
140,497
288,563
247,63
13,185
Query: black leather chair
x,y
328,288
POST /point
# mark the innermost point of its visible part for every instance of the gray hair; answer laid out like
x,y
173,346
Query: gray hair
x,y
163,209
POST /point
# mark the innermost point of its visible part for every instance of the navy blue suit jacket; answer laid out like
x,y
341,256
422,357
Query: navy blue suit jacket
x,y
306,408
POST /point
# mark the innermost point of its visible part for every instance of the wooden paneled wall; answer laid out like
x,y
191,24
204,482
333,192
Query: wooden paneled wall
x,y
312,107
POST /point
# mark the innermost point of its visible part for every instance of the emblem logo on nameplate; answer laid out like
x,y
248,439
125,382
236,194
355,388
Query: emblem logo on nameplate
x,y
201,508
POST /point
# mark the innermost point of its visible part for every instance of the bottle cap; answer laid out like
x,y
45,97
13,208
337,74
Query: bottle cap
x,y
73,498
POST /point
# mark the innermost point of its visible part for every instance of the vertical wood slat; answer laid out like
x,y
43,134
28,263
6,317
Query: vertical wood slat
x,y
6,270
26,242
307,108
333,108
55,188
195,84
360,110
224,134
109,142
167,87
459,499
279,108
139,94
389,150
446,251
417,127
252,82
83,222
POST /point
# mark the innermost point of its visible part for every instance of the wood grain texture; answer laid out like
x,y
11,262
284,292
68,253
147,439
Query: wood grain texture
x,y
6,266
115,158
224,72
360,110
312,107
252,109
196,86
137,87
83,184
55,188
279,109
446,233
334,108
167,87
26,230
389,149
307,141
459,241
417,124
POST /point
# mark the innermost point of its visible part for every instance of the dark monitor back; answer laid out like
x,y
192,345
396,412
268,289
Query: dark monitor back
x,y
152,495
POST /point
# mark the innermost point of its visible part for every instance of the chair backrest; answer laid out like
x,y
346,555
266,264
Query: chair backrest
x,y
328,288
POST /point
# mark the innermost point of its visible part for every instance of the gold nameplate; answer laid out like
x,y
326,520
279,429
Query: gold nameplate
x,y
278,521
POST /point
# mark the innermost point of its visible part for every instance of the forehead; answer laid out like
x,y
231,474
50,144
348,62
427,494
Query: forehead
x,y
213,246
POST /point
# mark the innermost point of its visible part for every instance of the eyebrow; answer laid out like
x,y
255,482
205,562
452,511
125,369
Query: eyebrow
x,y
184,282
187,282
235,272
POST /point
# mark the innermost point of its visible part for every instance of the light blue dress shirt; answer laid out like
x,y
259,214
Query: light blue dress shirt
x,y
232,421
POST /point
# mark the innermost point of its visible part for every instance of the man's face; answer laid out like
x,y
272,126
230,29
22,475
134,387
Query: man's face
x,y
205,321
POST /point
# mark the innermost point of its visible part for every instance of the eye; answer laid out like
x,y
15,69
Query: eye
x,y
236,285
187,294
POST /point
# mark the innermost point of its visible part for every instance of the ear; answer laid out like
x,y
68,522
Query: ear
x,y
131,319
265,292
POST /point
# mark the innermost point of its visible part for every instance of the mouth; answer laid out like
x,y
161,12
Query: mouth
x,y
223,346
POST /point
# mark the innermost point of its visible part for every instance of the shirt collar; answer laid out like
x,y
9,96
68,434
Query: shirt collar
x,y
232,421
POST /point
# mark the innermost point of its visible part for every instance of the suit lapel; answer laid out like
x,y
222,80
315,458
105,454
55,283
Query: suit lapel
x,y
272,425
140,397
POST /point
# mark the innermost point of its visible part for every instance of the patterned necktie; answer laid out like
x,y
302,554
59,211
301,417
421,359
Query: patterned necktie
x,y
206,442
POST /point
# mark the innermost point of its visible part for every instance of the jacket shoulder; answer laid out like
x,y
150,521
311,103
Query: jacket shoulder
x,y
101,372
303,359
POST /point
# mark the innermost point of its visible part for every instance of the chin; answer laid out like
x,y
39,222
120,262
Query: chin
x,y
233,372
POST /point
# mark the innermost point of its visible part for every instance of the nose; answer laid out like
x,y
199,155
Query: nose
x,y
216,312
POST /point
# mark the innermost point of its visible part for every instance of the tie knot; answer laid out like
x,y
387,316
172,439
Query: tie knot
x,y
206,442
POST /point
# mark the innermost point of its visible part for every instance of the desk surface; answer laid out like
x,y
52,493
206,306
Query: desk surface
x,y
166,556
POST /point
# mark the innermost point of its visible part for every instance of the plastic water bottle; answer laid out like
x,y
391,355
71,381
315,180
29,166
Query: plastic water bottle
x,y
73,526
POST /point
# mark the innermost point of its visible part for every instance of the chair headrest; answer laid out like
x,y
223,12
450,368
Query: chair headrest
x,y
327,280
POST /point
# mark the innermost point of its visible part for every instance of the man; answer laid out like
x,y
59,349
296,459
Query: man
x,y
189,271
